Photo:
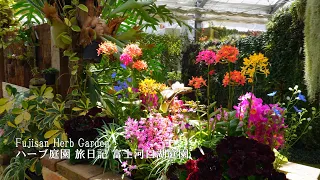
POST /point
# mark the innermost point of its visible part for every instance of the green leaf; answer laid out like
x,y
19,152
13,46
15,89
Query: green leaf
x,y
67,53
130,4
16,111
2,109
18,119
214,113
74,59
3,101
75,28
26,116
50,133
55,106
24,105
74,72
43,87
66,39
234,123
57,124
77,109
48,93
11,125
83,7
67,22
11,90
65,7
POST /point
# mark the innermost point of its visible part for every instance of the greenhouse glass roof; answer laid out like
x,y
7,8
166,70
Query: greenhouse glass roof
x,y
223,12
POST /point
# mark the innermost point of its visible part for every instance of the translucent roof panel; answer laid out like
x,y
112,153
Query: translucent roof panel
x,y
231,11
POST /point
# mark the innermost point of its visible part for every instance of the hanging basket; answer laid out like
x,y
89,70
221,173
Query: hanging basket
x,y
90,52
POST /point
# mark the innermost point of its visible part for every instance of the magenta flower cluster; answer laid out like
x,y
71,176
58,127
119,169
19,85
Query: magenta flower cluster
x,y
265,121
128,168
126,59
149,100
209,57
152,133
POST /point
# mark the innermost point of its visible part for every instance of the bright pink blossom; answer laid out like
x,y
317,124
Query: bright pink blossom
x,y
265,122
125,59
209,57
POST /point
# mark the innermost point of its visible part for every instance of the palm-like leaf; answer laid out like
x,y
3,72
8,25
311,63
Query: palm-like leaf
x,y
29,10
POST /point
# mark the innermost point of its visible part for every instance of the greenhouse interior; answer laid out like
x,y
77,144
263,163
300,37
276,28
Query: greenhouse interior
x,y
159,89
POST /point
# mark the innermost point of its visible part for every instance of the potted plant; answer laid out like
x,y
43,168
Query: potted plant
x,y
50,75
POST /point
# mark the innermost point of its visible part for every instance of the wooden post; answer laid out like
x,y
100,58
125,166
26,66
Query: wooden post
x,y
1,71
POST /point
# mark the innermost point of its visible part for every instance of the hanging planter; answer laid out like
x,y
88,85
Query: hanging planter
x,y
90,52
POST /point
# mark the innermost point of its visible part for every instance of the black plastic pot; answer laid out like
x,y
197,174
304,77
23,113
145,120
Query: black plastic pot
x,y
90,52
34,176
50,79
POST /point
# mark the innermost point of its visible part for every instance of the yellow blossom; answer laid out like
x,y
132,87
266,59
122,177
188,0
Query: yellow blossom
x,y
256,63
150,86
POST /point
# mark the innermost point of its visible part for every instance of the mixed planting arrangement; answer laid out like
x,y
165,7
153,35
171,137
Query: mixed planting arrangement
x,y
135,114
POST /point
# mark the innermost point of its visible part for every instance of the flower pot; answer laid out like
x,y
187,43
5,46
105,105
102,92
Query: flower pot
x,y
90,52
33,175
50,79
37,81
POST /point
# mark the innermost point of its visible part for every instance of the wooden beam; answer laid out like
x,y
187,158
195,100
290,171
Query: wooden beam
x,y
193,10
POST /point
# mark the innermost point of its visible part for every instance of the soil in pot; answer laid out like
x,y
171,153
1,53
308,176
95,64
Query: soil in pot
x,y
50,79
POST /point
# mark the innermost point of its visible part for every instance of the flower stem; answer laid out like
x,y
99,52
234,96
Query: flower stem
x,y
208,98
229,100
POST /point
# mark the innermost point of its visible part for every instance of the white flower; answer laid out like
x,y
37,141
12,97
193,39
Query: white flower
x,y
290,89
309,119
310,127
296,87
299,91
288,98
177,85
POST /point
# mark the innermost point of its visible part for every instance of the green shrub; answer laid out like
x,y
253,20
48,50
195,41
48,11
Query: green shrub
x,y
285,50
